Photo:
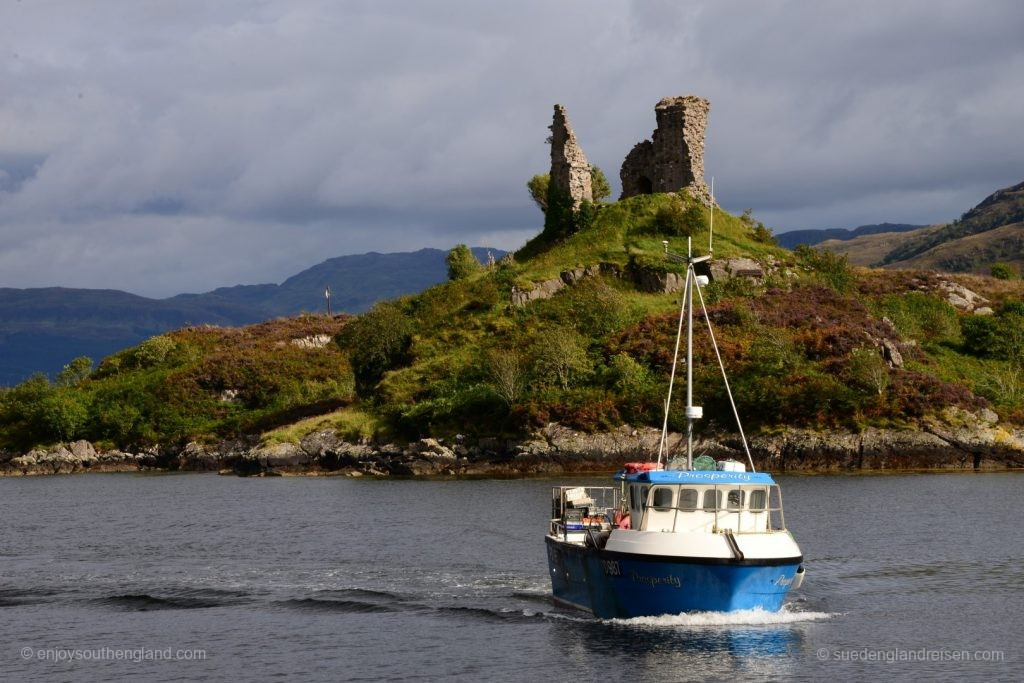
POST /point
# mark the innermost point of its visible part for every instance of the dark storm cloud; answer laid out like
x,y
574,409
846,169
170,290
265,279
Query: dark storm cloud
x,y
163,147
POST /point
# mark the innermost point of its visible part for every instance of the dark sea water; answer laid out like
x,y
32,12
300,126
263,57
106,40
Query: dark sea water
x,y
351,579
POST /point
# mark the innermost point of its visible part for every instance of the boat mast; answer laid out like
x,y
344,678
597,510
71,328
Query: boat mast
x,y
686,310
691,411
662,444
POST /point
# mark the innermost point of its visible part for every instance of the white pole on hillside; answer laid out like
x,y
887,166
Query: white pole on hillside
x,y
711,229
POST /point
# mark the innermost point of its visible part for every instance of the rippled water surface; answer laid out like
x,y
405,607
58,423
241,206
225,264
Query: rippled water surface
x,y
350,579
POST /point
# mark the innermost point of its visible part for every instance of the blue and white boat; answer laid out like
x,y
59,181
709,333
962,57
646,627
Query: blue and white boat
x,y
697,535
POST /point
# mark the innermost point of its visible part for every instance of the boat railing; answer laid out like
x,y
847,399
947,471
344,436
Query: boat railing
x,y
582,509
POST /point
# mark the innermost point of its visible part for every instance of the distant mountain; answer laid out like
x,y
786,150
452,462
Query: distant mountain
x,y
42,329
991,232
1001,208
794,238
868,250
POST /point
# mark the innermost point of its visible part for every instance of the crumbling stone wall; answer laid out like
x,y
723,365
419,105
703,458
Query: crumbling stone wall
x,y
673,158
570,170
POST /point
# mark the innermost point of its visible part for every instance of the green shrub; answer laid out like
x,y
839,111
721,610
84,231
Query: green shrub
x,y
585,217
999,336
376,342
537,186
917,315
62,415
75,372
560,355
22,423
461,262
679,220
508,370
1003,271
868,372
559,219
627,377
592,306
153,351
832,269
758,231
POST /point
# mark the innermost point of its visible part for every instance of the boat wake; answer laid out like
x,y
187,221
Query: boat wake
x,y
747,617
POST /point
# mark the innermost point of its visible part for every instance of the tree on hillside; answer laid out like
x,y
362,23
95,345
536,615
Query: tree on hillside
x,y
599,187
538,188
760,233
561,356
376,342
75,371
507,370
461,262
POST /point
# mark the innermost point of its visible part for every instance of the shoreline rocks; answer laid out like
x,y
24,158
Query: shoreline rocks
x,y
959,441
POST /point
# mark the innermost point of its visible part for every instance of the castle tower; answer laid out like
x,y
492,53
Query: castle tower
x,y
673,158
570,170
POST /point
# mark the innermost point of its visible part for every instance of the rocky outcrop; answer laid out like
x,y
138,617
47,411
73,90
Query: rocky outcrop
x,y
673,159
645,279
962,298
953,440
658,281
548,288
570,170
540,290
313,341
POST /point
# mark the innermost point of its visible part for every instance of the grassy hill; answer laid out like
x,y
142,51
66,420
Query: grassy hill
x,y
868,250
1003,207
990,233
974,253
803,346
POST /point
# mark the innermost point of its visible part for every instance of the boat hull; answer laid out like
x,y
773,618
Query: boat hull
x,y
625,585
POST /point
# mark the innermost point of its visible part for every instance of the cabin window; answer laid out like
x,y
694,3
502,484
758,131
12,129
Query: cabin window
x,y
662,497
757,500
735,499
688,499
637,497
712,499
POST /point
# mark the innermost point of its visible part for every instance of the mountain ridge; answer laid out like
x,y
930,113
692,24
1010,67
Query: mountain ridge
x,y
793,238
43,328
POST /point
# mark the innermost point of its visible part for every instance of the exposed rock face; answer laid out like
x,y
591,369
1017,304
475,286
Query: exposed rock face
x,y
548,288
315,341
570,170
960,297
955,439
673,158
891,354
736,267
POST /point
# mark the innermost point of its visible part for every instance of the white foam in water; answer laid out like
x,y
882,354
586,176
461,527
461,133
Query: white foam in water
x,y
746,617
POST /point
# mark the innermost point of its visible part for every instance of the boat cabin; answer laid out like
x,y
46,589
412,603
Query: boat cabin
x,y
708,502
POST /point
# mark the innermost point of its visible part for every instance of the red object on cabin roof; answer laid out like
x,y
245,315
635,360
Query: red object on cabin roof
x,y
634,467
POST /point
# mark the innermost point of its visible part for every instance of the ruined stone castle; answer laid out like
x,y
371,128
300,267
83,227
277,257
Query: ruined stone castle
x,y
672,160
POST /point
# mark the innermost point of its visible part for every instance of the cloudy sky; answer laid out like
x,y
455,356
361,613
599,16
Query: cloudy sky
x,y
164,146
